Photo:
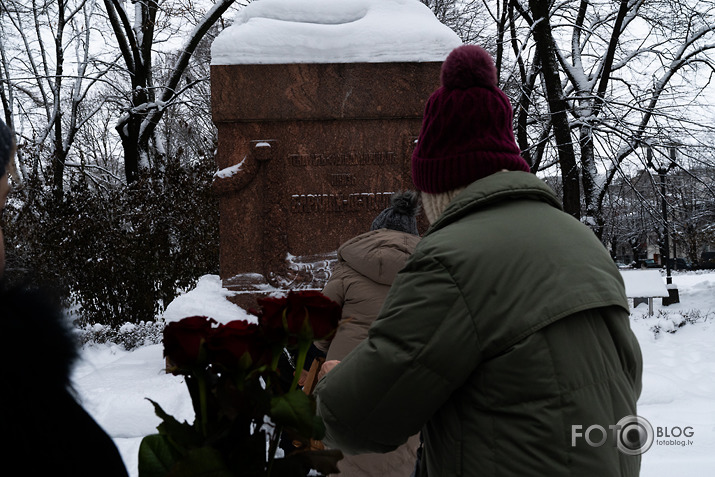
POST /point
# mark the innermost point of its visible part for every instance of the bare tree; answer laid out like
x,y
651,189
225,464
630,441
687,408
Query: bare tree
x,y
47,72
614,75
61,65
466,18
147,102
547,53
691,205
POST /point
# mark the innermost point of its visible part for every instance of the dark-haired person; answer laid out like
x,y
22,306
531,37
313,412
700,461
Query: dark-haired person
x,y
46,431
367,265
508,325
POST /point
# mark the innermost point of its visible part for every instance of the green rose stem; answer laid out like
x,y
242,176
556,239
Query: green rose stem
x,y
276,358
203,403
303,347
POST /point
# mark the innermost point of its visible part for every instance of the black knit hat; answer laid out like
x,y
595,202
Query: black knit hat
x,y
401,215
7,143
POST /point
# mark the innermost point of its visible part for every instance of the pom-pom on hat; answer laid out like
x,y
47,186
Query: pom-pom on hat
x,y
467,130
401,215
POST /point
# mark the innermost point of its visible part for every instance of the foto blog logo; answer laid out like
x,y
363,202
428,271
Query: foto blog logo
x,y
633,435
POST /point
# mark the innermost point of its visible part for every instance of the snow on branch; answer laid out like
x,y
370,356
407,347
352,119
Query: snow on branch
x,y
169,90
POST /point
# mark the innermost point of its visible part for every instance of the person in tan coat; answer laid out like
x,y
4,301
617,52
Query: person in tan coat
x,y
367,265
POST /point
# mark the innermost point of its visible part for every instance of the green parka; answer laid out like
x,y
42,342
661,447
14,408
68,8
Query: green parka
x,y
508,325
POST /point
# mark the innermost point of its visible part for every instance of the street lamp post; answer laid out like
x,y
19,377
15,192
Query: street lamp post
x,y
664,208
662,171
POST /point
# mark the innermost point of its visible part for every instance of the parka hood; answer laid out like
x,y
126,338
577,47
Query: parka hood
x,y
378,254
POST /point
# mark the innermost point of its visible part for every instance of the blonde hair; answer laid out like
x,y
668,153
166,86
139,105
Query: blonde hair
x,y
435,204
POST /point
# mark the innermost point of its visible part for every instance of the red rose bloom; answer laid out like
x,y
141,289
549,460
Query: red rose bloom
x,y
230,344
270,317
322,313
182,340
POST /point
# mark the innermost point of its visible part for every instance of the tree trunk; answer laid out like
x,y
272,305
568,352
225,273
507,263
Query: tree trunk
x,y
546,49
129,134
59,155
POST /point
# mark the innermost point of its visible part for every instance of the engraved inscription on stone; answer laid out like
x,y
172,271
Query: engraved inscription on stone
x,y
342,180
360,201
343,159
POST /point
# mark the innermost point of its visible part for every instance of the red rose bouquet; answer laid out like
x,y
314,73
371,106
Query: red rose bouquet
x,y
241,410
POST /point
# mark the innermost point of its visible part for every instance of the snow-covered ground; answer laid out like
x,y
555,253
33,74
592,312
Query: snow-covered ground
x,y
678,381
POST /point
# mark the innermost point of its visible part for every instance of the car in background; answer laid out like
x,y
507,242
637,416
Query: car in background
x,y
707,261
680,264
648,263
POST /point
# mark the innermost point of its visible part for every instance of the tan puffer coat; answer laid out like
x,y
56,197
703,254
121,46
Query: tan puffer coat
x,y
367,265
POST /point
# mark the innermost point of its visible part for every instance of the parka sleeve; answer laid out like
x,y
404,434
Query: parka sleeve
x,y
335,290
420,349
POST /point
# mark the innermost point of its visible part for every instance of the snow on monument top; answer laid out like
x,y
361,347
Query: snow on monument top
x,y
333,31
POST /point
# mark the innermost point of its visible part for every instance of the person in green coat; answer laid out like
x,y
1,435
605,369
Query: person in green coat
x,y
506,335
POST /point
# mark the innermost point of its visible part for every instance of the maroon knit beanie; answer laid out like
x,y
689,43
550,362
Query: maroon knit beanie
x,y
467,130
